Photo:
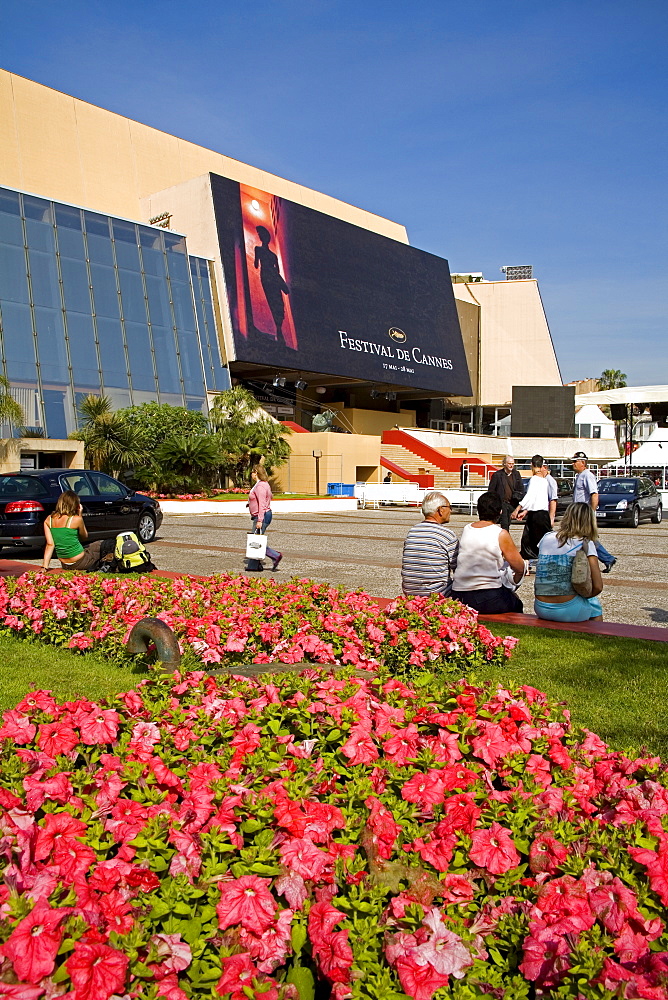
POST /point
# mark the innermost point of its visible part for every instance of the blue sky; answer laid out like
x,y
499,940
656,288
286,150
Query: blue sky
x,y
498,132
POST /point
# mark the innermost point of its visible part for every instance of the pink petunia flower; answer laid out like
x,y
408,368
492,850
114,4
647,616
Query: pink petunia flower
x,y
246,901
97,971
33,944
494,850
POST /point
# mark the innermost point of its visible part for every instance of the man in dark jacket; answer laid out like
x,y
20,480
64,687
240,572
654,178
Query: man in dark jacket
x,y
508,486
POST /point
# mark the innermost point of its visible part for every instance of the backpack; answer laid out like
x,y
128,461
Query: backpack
x,y
131,555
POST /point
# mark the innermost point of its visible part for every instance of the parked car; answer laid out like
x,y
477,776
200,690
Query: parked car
x,y
27,498
628,500
564,493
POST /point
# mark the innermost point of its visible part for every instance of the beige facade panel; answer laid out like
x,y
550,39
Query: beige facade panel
x,y
60,147
371,421
345,458
515,343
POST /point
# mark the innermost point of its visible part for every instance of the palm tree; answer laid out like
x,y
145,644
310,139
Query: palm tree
x,y
611,378
109,444
11,412
191,459
246,435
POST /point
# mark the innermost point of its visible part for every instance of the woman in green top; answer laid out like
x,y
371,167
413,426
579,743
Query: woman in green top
x,y
65,531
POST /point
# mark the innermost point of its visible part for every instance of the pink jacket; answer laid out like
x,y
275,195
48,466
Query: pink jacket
x,y
259,499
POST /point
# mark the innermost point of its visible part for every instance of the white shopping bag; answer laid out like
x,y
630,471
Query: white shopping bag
x,y
256,546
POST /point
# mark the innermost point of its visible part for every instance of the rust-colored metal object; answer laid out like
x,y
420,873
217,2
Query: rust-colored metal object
x,y
152,630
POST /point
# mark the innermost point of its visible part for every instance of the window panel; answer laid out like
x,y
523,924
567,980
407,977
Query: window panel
x,y
37,208
191,363
152,251
166,360
184,312
68,217
98,238
105,295
44,279
9,202
13,274
83,353
176,257
11,229
75,285
132,296
70,243
127,253
40,236
54,412
51,348
18,340
112,354
158,302
141,357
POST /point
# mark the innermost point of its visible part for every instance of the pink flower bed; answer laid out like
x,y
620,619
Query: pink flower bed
x,y
236,620
360,837
195,496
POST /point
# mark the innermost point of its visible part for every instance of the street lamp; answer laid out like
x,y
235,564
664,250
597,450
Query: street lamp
x,y
317,456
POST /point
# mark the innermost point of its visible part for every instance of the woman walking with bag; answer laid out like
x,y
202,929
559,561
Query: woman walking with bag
x,y
556,597
259,505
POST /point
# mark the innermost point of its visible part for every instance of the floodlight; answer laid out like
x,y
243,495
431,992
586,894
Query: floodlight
x,y
301,384
279,382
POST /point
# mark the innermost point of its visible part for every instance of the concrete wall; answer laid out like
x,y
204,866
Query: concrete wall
x,y
343,457
11,450
59,147
515,343
372,421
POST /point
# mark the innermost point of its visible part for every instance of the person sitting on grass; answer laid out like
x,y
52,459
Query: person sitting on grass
x,y
555,598
488,562
65,531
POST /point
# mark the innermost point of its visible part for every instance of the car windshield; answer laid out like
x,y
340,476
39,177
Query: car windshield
x,y
617,485
21,487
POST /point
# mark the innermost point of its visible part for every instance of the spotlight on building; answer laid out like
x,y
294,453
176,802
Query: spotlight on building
x,y
390,395
301,384
321,390
279,382
374,394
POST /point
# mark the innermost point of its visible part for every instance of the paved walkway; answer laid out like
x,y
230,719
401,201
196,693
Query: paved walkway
x,y
363,549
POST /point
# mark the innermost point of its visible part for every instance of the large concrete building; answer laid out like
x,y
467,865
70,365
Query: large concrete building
x,y
144,266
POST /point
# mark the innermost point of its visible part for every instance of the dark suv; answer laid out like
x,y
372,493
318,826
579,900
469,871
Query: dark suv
x,y
27,498
628,500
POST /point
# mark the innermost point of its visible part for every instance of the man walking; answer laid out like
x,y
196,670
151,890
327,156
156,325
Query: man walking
x,y
430,551
507,484
586,491
537,508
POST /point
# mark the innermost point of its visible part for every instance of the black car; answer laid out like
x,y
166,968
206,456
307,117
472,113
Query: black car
x,y
628,500
564,494
27,498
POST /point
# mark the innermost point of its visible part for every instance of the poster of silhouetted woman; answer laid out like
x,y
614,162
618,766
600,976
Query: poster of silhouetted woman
x,y
273,285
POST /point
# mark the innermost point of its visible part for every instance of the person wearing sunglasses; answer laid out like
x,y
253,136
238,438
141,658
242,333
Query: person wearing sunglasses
x,y
430,551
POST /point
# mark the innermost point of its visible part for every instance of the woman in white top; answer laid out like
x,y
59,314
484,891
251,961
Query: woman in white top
x,y
555,598
487,557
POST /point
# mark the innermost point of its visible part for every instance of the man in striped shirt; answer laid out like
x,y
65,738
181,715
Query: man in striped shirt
x,y
430,551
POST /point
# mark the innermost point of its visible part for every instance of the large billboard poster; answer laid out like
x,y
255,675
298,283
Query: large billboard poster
x,y
311,293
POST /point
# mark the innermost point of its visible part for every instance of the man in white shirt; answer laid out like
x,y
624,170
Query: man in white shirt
x,y
586,491
536,508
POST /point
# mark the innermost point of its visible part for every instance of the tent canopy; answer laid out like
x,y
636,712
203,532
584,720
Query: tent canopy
x,y
629,394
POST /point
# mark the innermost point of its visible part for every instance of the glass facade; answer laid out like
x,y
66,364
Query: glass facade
x,y
90,303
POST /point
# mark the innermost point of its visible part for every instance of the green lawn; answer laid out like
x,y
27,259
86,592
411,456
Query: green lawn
x,y
616,687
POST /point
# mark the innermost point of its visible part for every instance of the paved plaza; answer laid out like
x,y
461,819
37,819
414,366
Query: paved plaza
x,y
363,549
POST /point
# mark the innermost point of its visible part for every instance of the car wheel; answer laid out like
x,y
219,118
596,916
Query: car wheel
x,y
656,517
146,528
635,517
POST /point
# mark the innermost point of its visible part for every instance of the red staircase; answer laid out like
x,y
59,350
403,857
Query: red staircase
x,y
447,466
425,482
